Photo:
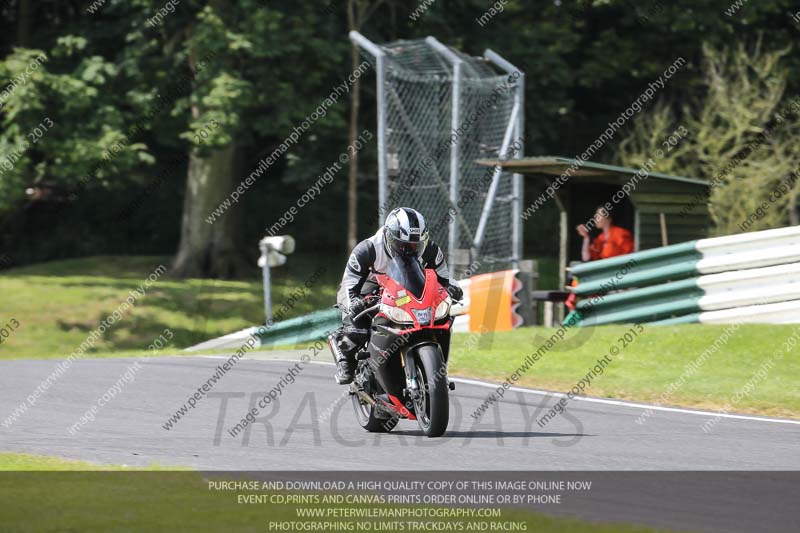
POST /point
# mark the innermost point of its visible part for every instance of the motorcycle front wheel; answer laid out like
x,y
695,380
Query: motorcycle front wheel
x,y
433,406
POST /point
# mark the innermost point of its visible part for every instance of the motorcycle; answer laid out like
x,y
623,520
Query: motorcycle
x,y
403,372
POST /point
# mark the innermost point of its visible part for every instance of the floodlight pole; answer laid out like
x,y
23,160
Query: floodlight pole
x,y
380,91
455,121
517,183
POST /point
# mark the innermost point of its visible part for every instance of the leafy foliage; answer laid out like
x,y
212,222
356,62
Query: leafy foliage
x,y
130,103
743,131
70,97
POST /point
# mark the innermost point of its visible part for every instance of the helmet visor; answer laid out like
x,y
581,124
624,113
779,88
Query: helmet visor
x,y
407,249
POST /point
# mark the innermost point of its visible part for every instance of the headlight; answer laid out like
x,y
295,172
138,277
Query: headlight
x,y
396,314
443,309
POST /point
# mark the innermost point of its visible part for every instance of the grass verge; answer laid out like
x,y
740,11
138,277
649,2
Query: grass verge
x,y
57,304
655,367
23,462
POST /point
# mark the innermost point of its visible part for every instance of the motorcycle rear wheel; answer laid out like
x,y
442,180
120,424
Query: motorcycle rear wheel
x,y
433,407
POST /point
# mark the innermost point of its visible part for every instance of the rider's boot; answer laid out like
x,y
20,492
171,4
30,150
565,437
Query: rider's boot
x,y
346,361
345,370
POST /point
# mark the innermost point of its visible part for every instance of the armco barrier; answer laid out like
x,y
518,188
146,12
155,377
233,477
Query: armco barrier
x,y
288,333
302,329
721,280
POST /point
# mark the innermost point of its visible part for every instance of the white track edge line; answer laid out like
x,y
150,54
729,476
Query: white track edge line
x,y
590,399
624,403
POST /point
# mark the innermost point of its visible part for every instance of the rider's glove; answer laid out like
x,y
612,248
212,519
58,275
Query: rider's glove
x,y
455,292
356,306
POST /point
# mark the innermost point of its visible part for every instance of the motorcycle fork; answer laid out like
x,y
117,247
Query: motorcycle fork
x,y
410,367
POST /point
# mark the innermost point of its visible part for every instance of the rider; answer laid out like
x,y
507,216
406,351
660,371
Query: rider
x,y
405,234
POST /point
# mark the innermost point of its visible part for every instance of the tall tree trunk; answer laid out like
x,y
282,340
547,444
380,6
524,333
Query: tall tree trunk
x,y
24,20
358,12
207,245
353,16
794,219
352,176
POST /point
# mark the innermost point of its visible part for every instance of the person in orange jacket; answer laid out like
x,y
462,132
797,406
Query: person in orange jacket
x,y
613,240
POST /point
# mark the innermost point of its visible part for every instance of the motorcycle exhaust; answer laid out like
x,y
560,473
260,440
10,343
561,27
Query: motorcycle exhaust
x,y
367,398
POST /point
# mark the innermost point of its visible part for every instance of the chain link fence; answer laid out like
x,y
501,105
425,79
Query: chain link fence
x,y
441,111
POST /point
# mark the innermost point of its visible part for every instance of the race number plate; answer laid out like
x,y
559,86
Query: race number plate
x,y
423,315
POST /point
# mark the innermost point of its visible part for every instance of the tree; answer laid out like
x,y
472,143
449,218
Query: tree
x,y
256,88
216,102
358,13
63,122
742,137
24,23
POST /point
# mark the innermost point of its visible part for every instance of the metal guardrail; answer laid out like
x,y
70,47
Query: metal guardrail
x,y
302,329
698,281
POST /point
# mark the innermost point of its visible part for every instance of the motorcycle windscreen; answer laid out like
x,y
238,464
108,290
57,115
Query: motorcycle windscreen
x,y
406,271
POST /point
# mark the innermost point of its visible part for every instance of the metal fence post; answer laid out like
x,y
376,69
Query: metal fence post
x,y
455,121
517,182
267,290
492,193
383,185
380,91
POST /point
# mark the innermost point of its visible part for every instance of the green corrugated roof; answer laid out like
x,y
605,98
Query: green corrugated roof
x,y
555,166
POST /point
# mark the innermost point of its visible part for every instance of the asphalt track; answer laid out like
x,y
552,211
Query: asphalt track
x,y
296,433
311,427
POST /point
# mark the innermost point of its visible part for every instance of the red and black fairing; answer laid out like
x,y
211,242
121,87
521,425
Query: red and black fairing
x,y
418,294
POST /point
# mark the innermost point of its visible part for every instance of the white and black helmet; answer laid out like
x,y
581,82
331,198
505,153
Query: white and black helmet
x,y
405,233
